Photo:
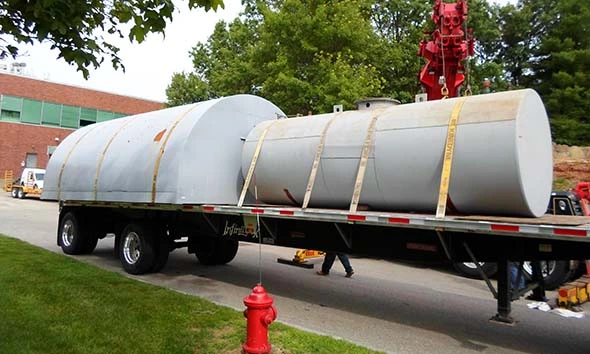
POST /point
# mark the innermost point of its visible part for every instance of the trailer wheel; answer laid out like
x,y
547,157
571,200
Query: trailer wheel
x,y
136,249
555,273
205,249
228,250
91,242
20,193
214,251
72,234
162,250
14,192
469,270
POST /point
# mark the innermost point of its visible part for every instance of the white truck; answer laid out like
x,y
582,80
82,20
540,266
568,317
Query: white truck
x,y
30,183
374,181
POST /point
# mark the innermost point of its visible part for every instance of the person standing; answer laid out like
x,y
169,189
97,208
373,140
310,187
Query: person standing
x,y
329,259
516,283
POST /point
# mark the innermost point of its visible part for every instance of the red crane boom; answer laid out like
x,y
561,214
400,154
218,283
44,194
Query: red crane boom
x,y
443,73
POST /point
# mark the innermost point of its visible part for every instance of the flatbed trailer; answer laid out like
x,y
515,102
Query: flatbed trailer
x,y
195,176
213,232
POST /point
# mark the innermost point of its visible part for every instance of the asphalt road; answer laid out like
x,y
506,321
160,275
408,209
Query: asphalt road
x,y
393,307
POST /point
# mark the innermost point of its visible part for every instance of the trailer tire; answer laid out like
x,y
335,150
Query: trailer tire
x,y
72,238
469,270
136,249
14,192
205,249
91,242
555,273
20,193
162,250
228,250
215,251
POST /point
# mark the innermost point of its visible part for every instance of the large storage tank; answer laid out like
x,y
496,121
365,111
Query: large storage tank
x,y
183,155
502,162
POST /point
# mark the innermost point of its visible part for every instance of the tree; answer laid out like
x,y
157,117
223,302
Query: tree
x,y
399,26
315,54
77,28
303,55
187,88
561,71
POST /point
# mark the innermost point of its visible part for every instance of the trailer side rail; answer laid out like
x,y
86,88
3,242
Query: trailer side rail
x,y
549,227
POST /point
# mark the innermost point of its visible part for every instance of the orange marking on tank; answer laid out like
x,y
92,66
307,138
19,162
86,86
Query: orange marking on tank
x,y
159,136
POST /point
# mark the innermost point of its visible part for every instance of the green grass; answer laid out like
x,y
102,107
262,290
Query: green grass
x,y
50,303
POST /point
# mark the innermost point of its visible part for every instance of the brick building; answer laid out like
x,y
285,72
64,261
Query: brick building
x,y
35,115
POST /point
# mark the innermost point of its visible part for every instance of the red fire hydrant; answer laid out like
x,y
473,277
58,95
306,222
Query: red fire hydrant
x,y
260,313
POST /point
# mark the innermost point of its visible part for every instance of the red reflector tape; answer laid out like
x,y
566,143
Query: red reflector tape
x,y
187,207
356,217
287,212
208,208
508,228
567,232
399,220
257,211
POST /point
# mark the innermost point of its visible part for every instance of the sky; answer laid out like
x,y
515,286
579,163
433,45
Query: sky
x,y
149,65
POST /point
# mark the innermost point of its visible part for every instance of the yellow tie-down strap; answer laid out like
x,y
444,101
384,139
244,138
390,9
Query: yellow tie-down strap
x,y
163,148
253,164
360,176
445,176
316,162
63,166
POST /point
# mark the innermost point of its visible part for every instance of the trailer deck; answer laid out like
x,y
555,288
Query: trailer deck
x,y
554,227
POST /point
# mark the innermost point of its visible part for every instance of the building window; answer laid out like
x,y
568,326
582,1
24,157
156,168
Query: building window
x,y
51,150
84,123
31,160
6,114
31,112
25,110
70,116
51,114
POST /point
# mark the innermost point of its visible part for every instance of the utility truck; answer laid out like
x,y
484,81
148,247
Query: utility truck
x,y
30,183
466,179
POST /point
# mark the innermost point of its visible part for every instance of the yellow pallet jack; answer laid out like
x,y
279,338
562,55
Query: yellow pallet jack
x,y
301,258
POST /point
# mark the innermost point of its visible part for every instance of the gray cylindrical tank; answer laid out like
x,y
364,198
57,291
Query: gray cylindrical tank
x,y
502,163
183,155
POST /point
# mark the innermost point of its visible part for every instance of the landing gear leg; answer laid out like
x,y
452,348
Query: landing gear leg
x,y
504,294
539,291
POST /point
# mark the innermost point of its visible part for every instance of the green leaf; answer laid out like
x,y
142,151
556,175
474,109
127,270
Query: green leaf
x,y
75,27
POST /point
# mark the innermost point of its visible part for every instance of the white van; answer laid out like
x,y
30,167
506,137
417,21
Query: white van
x,y
32,178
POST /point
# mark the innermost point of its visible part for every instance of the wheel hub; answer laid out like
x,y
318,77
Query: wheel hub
x,y
547,268
67,233
472,265
131,248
